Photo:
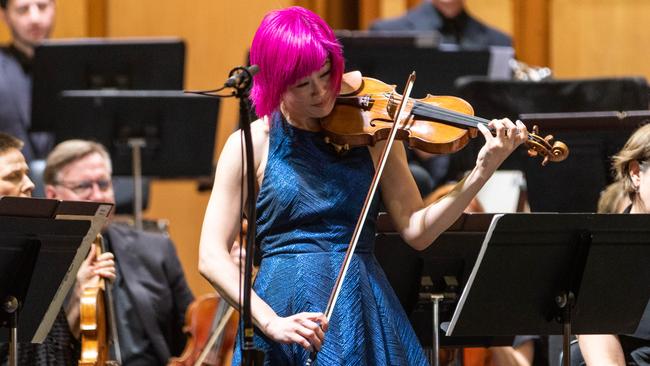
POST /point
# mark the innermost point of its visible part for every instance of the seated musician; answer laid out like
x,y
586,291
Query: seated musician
x,y
632,167
150,292
60,346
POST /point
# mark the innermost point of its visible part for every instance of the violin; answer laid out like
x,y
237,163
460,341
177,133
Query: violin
x,y
96,304
365,111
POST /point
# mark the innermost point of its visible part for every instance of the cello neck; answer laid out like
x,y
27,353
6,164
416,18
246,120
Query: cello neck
x,y
210,354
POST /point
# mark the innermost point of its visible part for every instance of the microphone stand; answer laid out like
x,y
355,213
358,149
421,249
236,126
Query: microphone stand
x,y
240,81
250,355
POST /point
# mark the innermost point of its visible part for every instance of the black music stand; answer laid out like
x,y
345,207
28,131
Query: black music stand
x,y
101,64
447,263
590,144
558,274
574,185
159,133
42,245
437,66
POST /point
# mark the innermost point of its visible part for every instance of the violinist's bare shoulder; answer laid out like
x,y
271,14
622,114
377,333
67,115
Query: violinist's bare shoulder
x,y
260,138
260,131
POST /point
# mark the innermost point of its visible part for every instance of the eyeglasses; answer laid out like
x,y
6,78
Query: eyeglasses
x,y
85,188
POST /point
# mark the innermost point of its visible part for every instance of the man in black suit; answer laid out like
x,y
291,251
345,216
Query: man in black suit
x,y
451,20
150,292
30,22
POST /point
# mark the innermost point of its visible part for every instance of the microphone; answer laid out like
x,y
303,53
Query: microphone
x,y
241,75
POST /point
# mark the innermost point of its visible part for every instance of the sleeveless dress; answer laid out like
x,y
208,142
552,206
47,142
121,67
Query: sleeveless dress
x,y
307,209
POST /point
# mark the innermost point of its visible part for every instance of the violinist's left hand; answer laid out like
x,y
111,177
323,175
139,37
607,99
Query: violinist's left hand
x,y
497,148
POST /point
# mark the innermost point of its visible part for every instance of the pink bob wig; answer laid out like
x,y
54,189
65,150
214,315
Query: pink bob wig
x,y
289,45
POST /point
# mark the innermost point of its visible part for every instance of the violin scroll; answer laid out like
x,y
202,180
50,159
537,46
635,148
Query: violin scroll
x,y
546,147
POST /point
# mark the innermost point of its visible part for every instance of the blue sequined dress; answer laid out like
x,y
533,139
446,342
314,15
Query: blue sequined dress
x,y
307,210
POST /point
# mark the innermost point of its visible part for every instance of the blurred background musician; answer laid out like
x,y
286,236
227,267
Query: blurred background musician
x,y
30,22
632,168
60,347
150,292
451,19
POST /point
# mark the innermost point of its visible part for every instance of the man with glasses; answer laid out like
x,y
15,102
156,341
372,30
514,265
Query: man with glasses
x,y
150,291
60,346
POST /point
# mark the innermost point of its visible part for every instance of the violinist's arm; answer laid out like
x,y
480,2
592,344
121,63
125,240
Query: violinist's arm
x,y
221,227
219,232
521,355
420,225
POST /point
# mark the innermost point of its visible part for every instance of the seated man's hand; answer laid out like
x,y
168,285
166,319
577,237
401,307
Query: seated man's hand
x,y
95,267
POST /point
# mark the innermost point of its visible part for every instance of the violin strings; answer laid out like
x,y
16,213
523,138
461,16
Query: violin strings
x,y
434,112
443,114
448,115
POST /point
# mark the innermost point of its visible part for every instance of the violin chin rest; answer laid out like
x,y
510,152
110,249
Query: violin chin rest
x,y
352,81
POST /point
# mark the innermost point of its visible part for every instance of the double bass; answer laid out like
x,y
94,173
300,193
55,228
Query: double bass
x,y
97,322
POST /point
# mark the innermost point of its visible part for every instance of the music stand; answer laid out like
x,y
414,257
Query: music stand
x,y
437,68
159,133
587,167
557,274
593,138
42,245
452,254
101,64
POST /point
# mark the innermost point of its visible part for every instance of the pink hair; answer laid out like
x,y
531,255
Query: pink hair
x,y
289,45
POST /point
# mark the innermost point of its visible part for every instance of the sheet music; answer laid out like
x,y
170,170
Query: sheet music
x,y
468,286
97,222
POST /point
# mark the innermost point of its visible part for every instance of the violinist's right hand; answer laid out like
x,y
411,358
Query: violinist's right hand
x,y
305,329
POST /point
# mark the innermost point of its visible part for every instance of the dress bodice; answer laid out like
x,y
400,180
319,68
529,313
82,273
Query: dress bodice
x,y
308,206
311,196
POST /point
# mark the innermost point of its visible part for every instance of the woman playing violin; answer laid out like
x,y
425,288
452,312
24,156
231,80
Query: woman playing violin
x,y
308,200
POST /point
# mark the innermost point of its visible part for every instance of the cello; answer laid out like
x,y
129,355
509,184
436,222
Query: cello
x,y
98,332
213,345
